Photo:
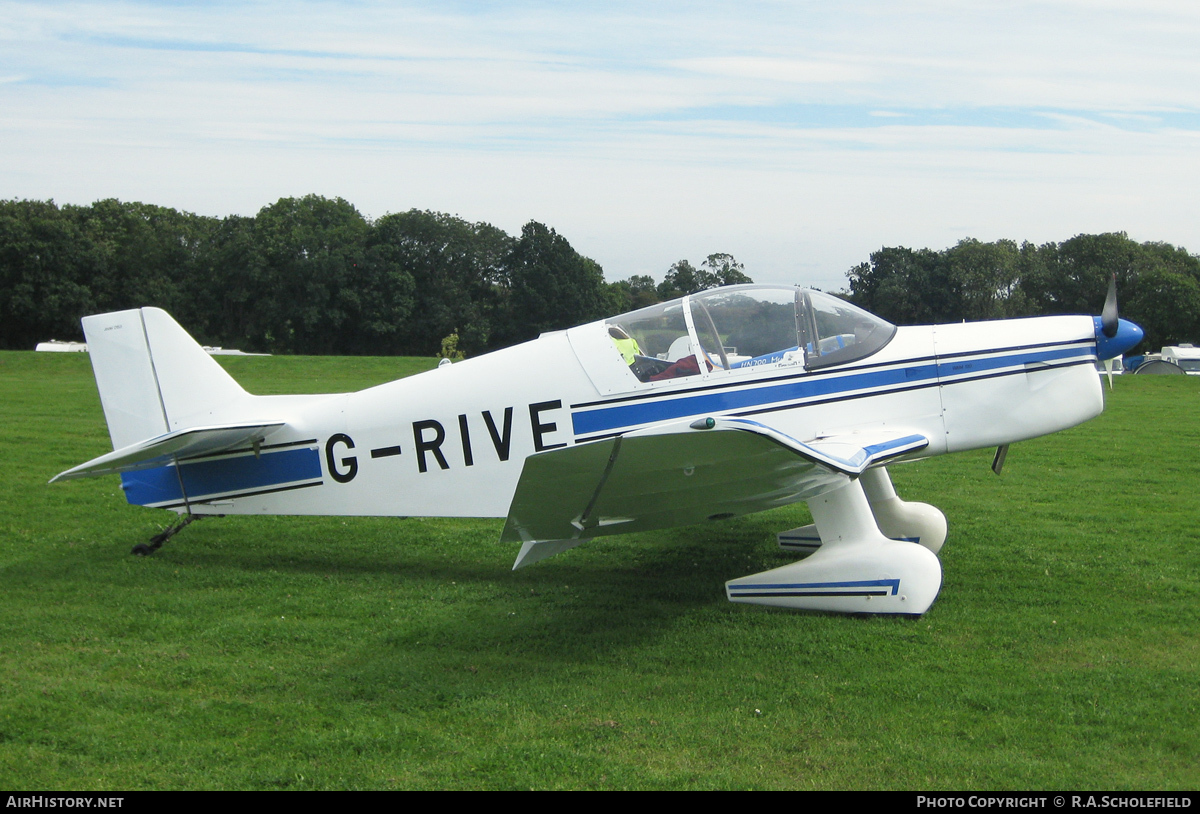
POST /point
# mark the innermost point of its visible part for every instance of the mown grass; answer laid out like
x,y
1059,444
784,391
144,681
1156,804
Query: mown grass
x,y
298,653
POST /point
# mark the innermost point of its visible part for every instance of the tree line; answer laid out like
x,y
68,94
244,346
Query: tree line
x,y
312,275
305,275
1158,284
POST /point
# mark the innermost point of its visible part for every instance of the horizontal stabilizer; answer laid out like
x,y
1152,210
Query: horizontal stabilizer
x,y
173,446
678,473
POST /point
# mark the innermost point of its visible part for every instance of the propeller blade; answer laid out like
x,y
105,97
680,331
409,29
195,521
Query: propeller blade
x,y
1108,367
1108,317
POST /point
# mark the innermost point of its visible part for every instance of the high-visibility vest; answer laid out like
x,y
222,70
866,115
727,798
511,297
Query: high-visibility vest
x,y
628,347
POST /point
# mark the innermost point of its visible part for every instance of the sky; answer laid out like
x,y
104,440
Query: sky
x,y
797,136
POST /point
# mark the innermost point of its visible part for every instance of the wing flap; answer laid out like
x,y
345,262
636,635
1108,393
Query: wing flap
x,y
173,446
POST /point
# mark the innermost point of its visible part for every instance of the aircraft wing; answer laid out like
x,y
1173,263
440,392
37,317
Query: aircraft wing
x,y
179,445
678,473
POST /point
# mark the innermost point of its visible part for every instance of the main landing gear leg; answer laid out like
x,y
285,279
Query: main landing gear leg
x,y
856,569
156,542
897,519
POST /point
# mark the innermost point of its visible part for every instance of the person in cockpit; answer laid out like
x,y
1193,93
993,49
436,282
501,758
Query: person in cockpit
x,y
648,368
625,343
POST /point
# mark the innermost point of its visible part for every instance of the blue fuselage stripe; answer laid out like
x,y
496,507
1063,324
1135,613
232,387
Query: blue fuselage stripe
x,y
626,415
605,419
149,487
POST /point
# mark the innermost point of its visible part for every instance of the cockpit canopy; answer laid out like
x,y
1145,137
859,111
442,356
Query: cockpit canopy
x,y
742,327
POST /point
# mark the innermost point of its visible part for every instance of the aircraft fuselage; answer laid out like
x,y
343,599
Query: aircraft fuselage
x,y
452,441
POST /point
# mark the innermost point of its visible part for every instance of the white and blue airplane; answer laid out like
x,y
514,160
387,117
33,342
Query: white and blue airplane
x,y
722,403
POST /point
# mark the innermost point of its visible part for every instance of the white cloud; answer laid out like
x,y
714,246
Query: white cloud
x,y
797,136
776,70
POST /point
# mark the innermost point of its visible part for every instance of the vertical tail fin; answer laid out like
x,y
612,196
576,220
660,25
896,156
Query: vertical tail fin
x,y
153,377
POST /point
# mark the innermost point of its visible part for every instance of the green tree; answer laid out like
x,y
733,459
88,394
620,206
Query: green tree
x,y
984,280
550,286
1158,284
636,292
46,264
723,270
235,300
1072,277
454,270
716,270
902,285
147,253
1163,296
310,251
682,278
387,295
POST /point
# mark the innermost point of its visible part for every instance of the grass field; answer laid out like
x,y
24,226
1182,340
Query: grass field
x,y
311,653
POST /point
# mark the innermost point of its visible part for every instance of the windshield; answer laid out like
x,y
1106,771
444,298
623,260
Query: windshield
x,y
757,325
738,327
845,332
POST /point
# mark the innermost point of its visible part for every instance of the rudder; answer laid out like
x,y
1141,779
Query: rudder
x,y
153,377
